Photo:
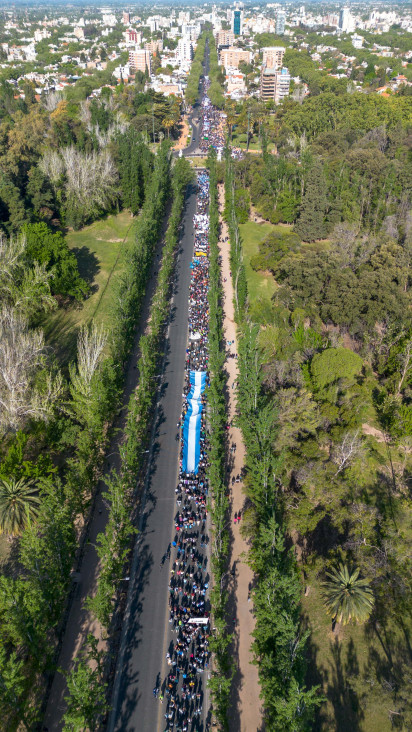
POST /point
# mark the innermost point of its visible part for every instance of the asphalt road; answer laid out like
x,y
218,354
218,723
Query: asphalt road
x,y
141,664
142,657
193,120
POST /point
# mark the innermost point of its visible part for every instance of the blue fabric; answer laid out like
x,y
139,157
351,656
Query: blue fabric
x,y
193,422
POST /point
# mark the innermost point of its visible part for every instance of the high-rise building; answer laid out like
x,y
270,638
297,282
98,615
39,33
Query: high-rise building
x,y
139,60
184,49
273,56
280,23
274,84
346,21
126,17
237,20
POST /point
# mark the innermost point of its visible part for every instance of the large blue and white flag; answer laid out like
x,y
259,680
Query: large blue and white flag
x,y
193,422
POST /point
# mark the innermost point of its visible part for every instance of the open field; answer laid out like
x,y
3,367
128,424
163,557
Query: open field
x,y
260,284
99,249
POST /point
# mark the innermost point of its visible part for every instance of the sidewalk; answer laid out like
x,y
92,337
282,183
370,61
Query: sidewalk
x,y
245,708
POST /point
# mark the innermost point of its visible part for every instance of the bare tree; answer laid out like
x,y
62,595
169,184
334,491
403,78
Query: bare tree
x,y
51,100
347,451
91,177
91,343
405,359
26,289
22,357
52,165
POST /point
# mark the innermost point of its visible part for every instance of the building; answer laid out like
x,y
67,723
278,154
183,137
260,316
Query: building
x,y
232,57
272,56
154,46
280,23
79,32
346,21
184,51
133,37
139,60
274,84
357,41
109,19
225,39
126,17
237,21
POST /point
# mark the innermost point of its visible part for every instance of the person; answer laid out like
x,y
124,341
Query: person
x,y
235,519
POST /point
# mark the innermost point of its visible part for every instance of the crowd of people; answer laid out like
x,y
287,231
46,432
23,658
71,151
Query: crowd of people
x,y
188,654
211,125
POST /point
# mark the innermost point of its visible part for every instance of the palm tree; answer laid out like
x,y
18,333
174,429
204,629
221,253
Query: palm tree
x,y
19,501
346,597
168,122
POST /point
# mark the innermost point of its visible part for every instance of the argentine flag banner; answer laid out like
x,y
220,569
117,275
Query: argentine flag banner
x,y
192,423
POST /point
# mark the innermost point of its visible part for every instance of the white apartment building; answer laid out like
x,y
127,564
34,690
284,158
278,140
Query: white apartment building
x,y
184,51
346,21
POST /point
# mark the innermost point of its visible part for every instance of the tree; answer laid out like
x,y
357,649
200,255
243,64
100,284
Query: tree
x,y
19,501
86,701
312,216
27,390
334,364
346,597
90,347
40,193
49,248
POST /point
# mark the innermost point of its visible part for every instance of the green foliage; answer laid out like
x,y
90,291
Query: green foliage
x,y
220,682
279,640
335,364
86,701
50,249
242,205
135,163
272,250
346,596
114,543
311,224
18,504
15,463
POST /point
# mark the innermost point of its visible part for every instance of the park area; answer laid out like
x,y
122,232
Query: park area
x,y
99,249
346,664
261,285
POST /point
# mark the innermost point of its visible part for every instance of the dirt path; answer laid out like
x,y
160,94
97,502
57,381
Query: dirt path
x,y
245,712
80,622
181,143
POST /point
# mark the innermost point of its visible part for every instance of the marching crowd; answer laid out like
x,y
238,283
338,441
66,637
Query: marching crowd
x,y
212,128
211,125
188,654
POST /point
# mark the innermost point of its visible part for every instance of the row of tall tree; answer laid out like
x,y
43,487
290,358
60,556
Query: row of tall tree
x,y
55,432
87,683
279,637
222,673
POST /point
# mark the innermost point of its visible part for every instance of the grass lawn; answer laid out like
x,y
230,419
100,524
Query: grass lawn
x,y
99,249
240,140
260,284
351,666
